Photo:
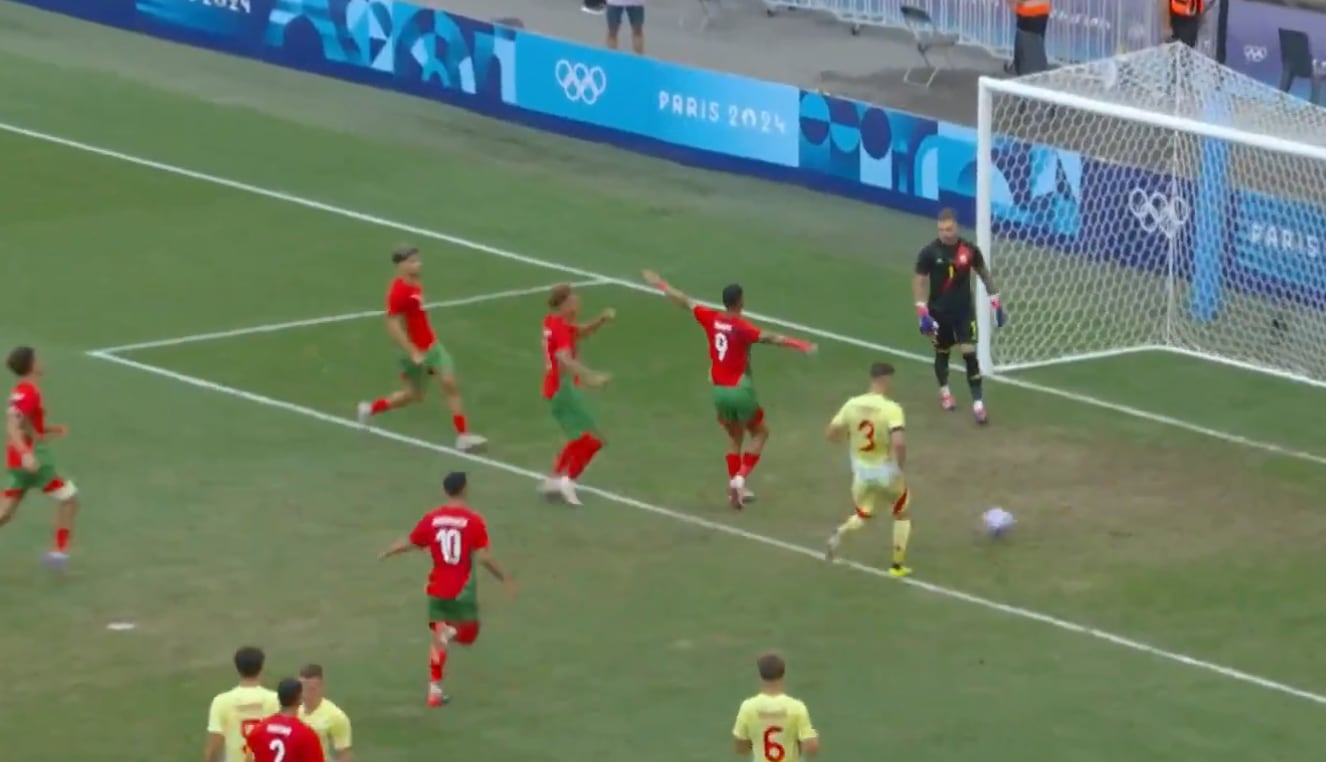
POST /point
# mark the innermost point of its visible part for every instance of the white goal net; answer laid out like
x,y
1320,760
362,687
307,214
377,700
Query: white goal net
x,y
1154,201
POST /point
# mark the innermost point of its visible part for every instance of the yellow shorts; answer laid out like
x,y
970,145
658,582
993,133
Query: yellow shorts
x,y
871,496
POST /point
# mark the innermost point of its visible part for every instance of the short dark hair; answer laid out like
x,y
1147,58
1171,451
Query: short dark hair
x,y
881,370
771,666
249,661
947,215
454,483
732,296
311,671
558,295
289,692
21,360
402,252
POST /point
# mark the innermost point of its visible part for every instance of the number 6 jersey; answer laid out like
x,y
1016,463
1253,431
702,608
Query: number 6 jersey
x,y
452,533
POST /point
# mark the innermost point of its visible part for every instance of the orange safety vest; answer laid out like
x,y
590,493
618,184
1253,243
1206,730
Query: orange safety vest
x,y
1034,9
1187,7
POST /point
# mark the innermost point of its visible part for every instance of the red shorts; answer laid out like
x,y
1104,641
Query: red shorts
x,y
466,632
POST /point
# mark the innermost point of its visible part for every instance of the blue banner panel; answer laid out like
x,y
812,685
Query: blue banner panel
x,y
1252,40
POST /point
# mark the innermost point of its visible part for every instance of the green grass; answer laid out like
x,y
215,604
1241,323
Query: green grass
x,y
212,520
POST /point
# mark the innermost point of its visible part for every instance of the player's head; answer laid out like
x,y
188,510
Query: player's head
x,y
406,258
311,676
948,226
249,661
734,299
771,667
455,484
881,377
22,361
289,692
563,299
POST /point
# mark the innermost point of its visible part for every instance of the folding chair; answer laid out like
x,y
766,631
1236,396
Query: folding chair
x,y
928,39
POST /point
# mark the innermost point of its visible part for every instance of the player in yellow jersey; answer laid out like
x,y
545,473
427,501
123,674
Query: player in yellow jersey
x,y
234,711
771,725
872,424
318,712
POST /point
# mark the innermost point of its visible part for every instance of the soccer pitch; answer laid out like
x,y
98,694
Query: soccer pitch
x,y
198,246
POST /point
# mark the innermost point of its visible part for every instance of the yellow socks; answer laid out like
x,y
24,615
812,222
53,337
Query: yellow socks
x,y
902,531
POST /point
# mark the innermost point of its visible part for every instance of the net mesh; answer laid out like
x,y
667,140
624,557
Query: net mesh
x,y
1111,233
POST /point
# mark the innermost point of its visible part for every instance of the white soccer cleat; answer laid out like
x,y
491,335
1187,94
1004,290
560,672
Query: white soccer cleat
x,y
470,443
736,492
978,411
567,488
551,488
363,413
56,560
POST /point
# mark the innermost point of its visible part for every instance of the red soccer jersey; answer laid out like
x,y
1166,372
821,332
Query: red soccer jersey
x,y
730,340
452,533
558,334
282,738
26,399
406,299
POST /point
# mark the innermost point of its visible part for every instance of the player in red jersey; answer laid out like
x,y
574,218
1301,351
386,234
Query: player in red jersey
x,y
423,356
730,337
27,457
456,536
283,737
563,374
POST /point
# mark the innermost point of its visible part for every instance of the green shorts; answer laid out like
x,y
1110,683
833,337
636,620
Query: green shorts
x,y
737,405
22,480
571,411
436,363
453,610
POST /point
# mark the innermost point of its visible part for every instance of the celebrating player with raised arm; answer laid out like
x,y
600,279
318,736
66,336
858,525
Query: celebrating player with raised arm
x,y
563,374
873,424
233,713
771,725
283,737
423,356
28,458
944,304
730,337
456,536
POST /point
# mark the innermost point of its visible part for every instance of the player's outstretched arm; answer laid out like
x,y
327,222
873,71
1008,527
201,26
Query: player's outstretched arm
x,y
486,559
673,295
800,345
589,329
572,365
403,545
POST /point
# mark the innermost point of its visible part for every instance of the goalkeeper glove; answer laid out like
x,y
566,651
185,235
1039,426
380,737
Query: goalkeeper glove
x,y
928,325
1001,317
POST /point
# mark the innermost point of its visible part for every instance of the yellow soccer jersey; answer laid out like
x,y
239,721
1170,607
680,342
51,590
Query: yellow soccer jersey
x,y
237,709
332,726
776,726
870,419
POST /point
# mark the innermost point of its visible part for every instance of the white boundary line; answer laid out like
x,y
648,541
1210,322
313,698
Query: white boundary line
x,y
732,531
369,219
274,327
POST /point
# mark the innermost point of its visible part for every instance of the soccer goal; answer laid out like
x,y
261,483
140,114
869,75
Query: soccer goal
x,y
1153,202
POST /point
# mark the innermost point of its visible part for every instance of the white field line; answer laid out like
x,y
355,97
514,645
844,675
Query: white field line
x,y
728,529
343,317
369,219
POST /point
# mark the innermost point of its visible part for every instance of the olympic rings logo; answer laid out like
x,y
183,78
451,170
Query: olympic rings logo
x,y
1158,213
581,83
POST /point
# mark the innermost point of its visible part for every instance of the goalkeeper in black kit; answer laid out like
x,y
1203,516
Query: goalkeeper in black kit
x,y
946,308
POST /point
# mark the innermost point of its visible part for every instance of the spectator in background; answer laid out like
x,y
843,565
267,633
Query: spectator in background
x,y
634,10
1033,17
1182,19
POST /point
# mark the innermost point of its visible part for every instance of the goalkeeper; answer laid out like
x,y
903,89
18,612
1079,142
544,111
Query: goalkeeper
x,y
945,306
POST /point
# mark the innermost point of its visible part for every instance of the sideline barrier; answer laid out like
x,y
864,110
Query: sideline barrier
x,y
1059,199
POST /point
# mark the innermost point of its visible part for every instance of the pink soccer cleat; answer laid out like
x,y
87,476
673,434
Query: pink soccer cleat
x,y
946,400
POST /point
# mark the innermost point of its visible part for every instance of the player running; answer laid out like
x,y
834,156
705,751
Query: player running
x,y
873,424
730,337
28,458
234,712
563,374
423,355
327,719
283,737
771,725
944,304
456,537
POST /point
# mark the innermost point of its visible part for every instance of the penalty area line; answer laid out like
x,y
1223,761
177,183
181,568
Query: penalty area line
x,y
327,319
727,529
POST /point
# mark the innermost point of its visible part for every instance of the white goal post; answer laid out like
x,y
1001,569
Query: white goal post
x,y
1155,201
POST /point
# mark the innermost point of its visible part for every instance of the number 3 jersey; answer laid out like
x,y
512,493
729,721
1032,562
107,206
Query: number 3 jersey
x,y
870,419
730,339
452,534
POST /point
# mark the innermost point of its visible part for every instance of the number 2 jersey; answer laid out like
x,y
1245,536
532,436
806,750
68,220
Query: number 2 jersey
x,y
775,726
869,419
452,534
281,738
730,339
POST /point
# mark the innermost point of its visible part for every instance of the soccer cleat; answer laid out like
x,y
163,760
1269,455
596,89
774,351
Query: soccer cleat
x,y
736,492
363,413
899,571
436,697
567,489
470,443
831,547
747,496
55,560
946,400
551,488
978,410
